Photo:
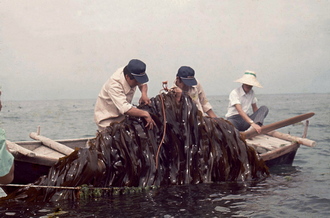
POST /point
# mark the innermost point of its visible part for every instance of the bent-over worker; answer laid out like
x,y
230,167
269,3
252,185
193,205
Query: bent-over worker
x,y
185,82
115,98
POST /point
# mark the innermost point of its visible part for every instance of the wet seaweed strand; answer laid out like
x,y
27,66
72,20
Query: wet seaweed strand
x,y
195,149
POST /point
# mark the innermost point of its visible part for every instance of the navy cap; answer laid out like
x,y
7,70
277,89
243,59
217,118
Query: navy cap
x,y
187,75
138,69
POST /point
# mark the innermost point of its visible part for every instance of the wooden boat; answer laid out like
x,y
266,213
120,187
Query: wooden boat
x,y
277,148
34,158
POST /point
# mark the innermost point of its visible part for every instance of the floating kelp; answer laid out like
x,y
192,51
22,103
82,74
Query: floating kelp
x,y
183,148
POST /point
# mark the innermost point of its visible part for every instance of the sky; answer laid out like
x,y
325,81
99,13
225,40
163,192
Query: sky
x,y
67,49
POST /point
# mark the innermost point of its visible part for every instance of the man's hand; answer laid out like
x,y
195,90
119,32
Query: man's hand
x,y
144,100
144,96
178,93
150,122
256,127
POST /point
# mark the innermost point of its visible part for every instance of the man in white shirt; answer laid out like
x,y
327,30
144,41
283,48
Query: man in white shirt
x,y
241,100
115,98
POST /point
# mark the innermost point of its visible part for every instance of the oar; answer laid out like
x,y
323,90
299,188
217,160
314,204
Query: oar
x,y
270,127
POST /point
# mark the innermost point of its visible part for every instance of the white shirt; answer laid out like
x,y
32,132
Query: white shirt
x,y
114,100
238,96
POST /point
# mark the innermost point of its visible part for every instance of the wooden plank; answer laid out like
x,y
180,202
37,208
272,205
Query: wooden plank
x,y
52,144
303,141
32,157
267,142
48,152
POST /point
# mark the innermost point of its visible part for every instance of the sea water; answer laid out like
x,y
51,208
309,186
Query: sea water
x,y
300,190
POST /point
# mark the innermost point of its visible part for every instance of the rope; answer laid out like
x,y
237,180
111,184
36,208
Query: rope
x,y
40,186
164,130
74,188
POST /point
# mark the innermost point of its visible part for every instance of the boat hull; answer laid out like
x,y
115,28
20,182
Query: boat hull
x,y
26,173
285,159
31,166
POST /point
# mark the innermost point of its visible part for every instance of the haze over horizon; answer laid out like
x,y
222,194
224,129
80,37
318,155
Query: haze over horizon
x,y
68,49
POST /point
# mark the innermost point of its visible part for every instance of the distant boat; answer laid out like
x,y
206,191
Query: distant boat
x,y
34,158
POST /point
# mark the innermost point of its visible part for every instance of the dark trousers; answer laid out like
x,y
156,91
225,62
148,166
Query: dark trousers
x,y
257,117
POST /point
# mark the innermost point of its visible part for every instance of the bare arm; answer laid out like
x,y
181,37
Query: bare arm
x,y
211,113
178,93
247,118
9,177
135,112
144,94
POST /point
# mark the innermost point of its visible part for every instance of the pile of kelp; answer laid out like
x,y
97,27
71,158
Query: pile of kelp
x,y
184,148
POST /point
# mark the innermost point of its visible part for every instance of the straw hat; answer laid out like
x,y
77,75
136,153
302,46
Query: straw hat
x,y
249,78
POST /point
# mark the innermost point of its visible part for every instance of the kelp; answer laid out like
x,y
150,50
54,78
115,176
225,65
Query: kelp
x,y
184,147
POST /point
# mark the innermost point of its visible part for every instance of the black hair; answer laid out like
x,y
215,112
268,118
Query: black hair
x,y
126,72
180,80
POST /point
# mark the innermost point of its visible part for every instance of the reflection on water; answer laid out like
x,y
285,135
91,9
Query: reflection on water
x,y
203,200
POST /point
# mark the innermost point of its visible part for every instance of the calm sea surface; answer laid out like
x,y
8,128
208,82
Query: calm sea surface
x,y
301,190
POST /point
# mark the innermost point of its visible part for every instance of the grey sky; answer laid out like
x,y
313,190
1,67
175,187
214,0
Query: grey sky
x,y
67,49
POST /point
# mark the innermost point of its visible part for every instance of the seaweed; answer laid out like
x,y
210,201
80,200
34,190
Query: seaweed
x,y
184,147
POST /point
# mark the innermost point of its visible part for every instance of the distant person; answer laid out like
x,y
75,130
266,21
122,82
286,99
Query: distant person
x,y
241,100
115,98
185,82
6,159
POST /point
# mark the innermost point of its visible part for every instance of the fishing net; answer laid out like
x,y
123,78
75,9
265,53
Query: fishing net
x,y
184,147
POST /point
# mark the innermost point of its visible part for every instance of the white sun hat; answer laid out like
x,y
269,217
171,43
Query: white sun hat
x,y
249,78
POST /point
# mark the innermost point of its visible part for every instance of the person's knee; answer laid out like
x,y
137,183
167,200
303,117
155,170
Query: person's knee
x,y
264,109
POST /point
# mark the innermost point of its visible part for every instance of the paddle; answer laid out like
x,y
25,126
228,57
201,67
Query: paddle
x,y
270,127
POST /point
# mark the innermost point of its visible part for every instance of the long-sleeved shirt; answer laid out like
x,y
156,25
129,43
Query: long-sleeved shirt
x,y
114,100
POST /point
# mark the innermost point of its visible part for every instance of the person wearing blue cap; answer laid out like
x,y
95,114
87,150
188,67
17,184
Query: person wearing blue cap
x,y
186,82
115,98
6,159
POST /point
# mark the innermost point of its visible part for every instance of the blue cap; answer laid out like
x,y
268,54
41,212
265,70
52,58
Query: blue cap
x,y
138,69
187,75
